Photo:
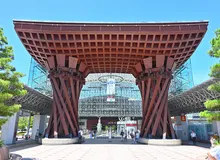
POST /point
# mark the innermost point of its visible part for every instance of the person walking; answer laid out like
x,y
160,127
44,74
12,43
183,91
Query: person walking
x,y
90,134
125,136
80,136
94,134
137,136
122,135
193,137
110,135
132,134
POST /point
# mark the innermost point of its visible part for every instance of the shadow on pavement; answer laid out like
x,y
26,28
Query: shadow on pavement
x,y
14,149
107,141
198,144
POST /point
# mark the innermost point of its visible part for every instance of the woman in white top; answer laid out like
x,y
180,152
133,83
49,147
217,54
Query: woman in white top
x,y
193,137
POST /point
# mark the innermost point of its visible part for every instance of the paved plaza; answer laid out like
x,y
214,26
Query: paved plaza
x,y
115,150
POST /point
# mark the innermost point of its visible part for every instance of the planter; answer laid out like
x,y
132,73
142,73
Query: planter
x,y
160,142
59,141
4,153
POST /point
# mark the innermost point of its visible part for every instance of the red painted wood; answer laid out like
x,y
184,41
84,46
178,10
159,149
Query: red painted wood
x,y
169,63
47,65
61,113
146,99
160,60
70,107
152,101
60,60
143,89
82,67
170,124
159,112
162,94
77,90
51,62
133,72
86,73
147,62
165,119
174,67
138,68
73,62
62,102
73,95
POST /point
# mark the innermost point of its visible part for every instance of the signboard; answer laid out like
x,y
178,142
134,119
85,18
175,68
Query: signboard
x,y
183,118
111,90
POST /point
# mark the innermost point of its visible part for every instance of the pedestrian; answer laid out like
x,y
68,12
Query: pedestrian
x,y
80,136
137,136
132,134
94,134
110,136
193,137
122,135
125,136
90,134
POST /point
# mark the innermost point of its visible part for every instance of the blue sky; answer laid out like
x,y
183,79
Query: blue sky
x,y
113,11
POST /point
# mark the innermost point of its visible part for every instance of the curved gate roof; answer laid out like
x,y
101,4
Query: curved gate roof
x,y
110,47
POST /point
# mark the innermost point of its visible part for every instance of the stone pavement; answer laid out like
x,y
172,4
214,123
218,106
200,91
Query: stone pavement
x,y
115,150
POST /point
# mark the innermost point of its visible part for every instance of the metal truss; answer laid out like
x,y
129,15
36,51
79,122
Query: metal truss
x,y
192,100
99,107
38,79
34,101
182,79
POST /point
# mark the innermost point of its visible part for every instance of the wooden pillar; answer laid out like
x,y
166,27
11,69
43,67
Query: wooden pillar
x,y
67,80
154,80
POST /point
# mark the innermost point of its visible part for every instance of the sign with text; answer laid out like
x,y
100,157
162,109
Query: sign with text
x,y
111,90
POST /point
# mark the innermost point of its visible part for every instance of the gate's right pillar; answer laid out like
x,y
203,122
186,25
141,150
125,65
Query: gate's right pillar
x,y
153,78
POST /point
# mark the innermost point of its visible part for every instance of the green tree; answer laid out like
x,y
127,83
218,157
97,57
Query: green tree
x,y
23,122
10,86
213,106
106,128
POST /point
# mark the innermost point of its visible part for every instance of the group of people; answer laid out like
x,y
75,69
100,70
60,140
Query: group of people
x,y
133,134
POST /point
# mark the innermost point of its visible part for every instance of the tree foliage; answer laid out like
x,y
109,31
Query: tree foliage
x,y
23,122
10,86
213,106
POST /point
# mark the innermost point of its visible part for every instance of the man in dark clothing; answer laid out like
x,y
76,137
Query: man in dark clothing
x,y
122,135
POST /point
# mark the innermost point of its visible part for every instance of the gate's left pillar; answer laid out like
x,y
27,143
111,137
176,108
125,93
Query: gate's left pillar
x,y
67,76
9,129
